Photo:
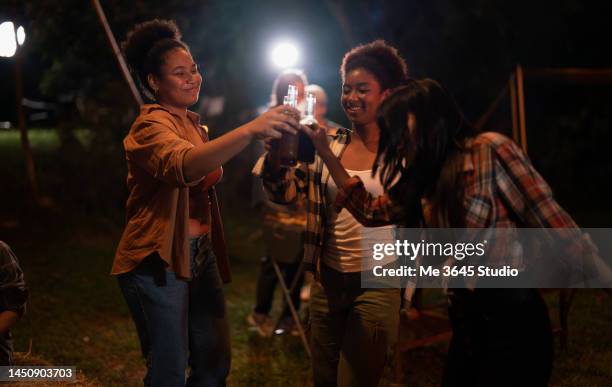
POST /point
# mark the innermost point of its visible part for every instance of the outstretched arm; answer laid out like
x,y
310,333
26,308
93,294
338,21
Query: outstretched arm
x,y
155,146
205,158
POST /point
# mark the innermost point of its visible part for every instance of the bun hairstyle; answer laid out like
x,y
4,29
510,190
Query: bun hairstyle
x,y
380,59
146,46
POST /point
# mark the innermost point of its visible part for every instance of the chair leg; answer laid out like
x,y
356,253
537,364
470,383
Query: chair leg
x,y
566,296
294,314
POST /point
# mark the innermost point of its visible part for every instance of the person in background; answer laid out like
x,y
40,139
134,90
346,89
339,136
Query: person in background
x,y
271,214
13,299
321,109
171,260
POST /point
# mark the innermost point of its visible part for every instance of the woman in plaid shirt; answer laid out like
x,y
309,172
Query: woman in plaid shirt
x,y
353,329
450,176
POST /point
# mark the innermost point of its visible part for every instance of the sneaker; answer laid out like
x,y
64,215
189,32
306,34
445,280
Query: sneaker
x,y
287,326
261,323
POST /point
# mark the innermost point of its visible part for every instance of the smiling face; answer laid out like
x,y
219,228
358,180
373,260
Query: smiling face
x,y
178,84
361,96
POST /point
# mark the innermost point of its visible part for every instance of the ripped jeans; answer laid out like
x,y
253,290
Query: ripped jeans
x,y
353,330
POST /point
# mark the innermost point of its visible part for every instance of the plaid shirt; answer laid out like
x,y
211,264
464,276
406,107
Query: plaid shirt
x,y
503,190
309,180
13,290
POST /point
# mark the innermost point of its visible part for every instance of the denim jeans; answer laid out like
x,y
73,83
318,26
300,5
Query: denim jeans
x,y
180,323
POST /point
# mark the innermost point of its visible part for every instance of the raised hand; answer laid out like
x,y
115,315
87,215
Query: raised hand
x,y
272,123
319,138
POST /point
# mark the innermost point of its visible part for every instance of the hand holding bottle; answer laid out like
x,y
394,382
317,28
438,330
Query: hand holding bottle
x,y
318,135
273,123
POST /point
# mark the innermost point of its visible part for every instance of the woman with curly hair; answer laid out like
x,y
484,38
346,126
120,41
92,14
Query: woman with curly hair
x,y
352,329
171,259
438,171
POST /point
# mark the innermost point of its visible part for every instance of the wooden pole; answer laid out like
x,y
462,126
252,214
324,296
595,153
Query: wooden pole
x,y
25,142
115,47
582,76
513,108
564,74
521,106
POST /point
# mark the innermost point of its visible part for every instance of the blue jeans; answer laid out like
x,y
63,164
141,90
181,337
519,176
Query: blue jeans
x,y
180,323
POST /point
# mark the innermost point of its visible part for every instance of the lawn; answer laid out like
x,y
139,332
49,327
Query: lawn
x,y
76,315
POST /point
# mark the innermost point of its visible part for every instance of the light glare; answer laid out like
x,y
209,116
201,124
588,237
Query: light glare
x,y
20,35
8,45
285,55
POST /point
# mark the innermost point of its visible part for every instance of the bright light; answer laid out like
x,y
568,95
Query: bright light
x,y
20,35
285,55
8,46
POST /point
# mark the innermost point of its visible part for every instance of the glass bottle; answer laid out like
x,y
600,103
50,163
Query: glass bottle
x,y
306,149
288,143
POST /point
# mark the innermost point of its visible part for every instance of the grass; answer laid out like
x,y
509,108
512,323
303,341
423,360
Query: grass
x,y
76,315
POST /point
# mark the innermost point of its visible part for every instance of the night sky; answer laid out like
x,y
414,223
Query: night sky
x,y
470,46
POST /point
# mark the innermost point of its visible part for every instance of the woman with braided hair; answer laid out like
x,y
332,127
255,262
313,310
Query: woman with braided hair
x,y
438,171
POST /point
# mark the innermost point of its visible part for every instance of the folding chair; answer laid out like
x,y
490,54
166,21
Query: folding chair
x,y
283,239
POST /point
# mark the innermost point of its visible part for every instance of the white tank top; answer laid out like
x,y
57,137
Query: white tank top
x,y
348,246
